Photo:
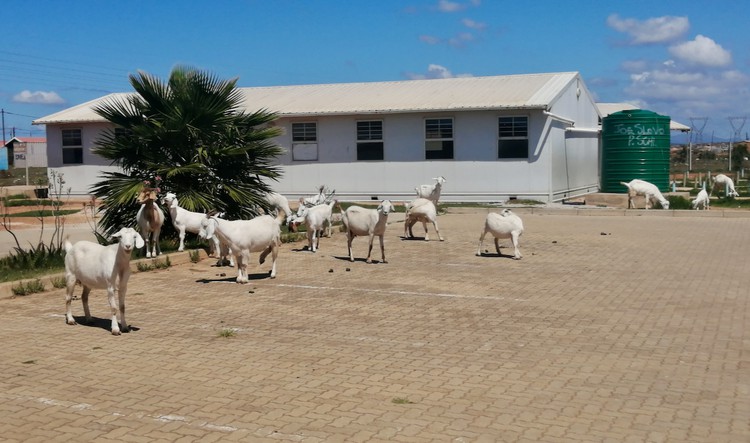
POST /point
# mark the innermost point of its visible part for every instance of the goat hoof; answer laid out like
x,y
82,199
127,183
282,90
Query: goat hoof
x,y
115,332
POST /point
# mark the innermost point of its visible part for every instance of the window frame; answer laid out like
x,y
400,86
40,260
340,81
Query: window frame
x,y
305,146
447,144
518,133
367,144
70,147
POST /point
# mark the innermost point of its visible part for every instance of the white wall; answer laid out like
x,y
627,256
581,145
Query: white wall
x,y
560,164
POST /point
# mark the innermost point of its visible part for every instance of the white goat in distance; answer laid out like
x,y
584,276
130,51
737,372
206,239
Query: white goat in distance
x,y
648,190
431,192
101,267
702,201
150,219
723,182
506,224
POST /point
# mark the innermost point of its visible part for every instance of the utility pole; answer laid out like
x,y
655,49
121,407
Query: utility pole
x,y
698,131
2,114
736,132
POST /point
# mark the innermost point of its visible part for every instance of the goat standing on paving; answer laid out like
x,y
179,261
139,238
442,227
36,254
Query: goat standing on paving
x,y
421,210
649,190
186,221
506,224
150,220
101,267
261,234
723,182
702,201
431,192
316,219
370,222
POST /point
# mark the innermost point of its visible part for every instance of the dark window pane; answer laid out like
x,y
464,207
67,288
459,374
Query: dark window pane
x,y
370,151
513,148
72,156
435,150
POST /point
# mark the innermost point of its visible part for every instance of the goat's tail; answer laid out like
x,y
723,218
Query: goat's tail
x,y
67,245
627,185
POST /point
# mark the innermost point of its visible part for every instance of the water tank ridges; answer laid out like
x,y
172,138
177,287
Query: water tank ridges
x,y
635,144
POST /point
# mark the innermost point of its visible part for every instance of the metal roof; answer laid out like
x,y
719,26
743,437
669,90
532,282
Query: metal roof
x,y
527,91
610,108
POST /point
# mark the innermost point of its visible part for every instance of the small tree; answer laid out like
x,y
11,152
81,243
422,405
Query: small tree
x,y
739,153
191,132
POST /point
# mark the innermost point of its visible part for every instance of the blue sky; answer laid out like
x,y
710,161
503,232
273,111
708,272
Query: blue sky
x,y
683,58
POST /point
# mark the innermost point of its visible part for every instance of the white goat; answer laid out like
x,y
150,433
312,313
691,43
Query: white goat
x,y
150,219
723,182
186,221
101,267
323,196
370,222
505,224
421,210
702,201
280,203
649,190
431,192
261,234
316,219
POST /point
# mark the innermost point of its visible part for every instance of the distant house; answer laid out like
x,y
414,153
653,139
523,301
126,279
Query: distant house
x,y
493,138
27,150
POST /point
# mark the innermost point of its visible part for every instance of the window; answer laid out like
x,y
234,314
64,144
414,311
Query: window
x,y
438,138
370,140
305,141
72,146
513,137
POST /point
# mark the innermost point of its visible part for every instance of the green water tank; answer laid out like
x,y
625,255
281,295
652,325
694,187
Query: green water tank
x,y
635,144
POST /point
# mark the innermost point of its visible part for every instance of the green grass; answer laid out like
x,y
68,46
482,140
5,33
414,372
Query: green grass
x,y
29,287
17,176
402,401
227,333
12,202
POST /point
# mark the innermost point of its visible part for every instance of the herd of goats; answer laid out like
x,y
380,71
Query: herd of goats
x,y
108,267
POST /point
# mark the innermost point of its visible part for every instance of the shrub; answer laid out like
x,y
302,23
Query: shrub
x,y
30,287
679,202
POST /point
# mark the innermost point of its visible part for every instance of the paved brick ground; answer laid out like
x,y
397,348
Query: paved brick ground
x,y
611,329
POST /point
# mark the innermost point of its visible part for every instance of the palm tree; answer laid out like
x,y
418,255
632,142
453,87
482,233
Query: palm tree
x,y
190,136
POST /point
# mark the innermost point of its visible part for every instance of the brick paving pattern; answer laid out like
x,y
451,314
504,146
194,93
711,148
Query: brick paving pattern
x,y
611,329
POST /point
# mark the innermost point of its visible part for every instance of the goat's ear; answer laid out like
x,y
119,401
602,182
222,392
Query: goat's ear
x,y
139,243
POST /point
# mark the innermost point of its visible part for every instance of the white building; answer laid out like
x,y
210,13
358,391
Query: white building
x,y
493,138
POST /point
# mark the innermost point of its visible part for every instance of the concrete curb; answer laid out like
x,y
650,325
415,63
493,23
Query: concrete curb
x,y
175,258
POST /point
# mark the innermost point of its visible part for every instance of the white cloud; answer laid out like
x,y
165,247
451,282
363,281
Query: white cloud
x,y
429,39
471,24
460,39
449,6
702,51
435,71
38,97
654,30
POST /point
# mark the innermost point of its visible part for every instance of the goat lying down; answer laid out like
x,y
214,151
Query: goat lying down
x,y
506,224
101,267
261,234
